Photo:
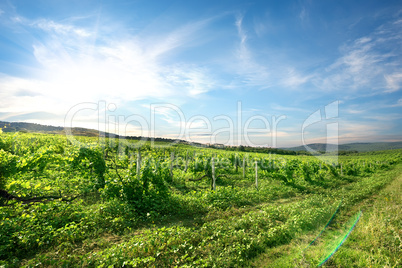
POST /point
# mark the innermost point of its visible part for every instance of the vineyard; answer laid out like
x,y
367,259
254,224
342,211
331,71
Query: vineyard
x,y
93,202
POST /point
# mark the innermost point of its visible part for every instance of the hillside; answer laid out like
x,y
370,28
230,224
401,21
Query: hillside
x,y
33,127
38,128
359,147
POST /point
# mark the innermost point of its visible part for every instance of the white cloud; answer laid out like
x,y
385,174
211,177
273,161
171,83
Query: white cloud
x,y
394,82
73,69
288,108
243,52
349,131
383,118
194,79
360,131
182,36
354,111
295,79
61,29
303,15
371,64
260,28
399,103
252,73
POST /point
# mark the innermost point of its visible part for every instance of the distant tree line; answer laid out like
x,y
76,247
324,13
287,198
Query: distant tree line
x,y
266,150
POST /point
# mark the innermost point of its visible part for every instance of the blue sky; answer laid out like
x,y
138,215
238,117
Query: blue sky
x,y
260,73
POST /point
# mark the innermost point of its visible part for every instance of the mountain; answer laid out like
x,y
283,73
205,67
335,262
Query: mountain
x,y
359,147
38,128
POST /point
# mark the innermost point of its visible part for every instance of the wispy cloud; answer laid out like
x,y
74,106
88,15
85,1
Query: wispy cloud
x,y
281,108
398,103
268,73
184,35
60,29
196,80
304,15
367,64
351,131
393,82
294,79
353,111
260,28
252,73
385,117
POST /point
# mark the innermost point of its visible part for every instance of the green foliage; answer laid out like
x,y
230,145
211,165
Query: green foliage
x,y
92,159
165,215
146,191
8,166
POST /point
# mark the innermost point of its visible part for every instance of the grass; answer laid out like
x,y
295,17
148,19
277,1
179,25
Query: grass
x,y
238,237
375,241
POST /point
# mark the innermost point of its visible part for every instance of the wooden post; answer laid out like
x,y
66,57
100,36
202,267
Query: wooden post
x,y
341,170
185,169
256,175
236,163
171,163
244,167
138,163
213,174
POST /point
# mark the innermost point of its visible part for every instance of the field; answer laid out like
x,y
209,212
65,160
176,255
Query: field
x,y
94,202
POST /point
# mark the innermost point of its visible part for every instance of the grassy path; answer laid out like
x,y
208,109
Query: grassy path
x,y
375,242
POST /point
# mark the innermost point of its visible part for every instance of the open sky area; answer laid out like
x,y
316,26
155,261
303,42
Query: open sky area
x,y
259,73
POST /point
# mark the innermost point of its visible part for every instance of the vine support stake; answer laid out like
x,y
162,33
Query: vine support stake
x,y
244,167
256,174
237,163
185,169
138,163
171,164
213,174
